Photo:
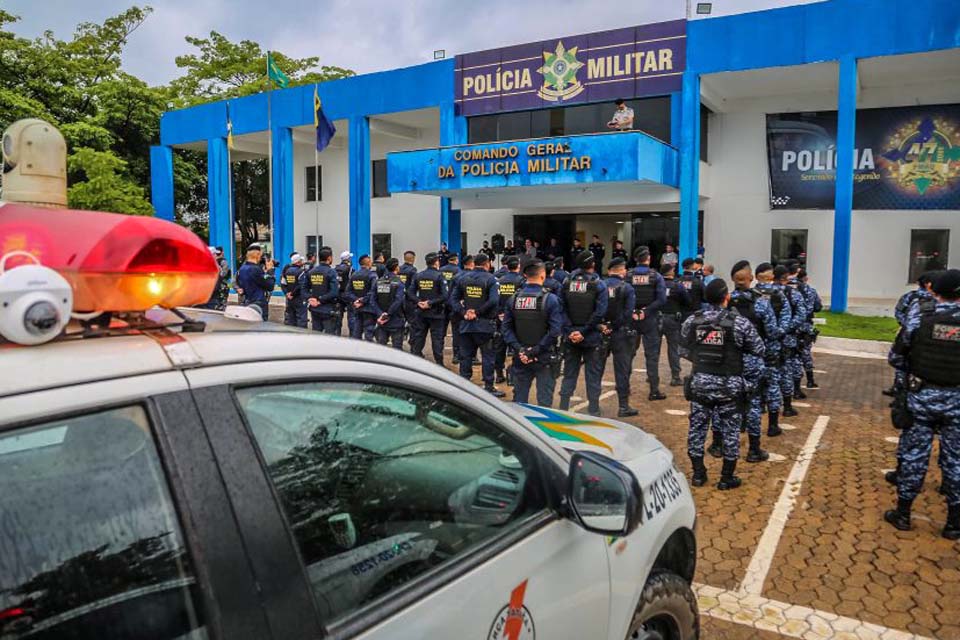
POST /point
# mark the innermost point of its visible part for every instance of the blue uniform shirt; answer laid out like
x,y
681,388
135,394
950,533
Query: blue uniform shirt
x,y
555,320
256,283
486,320
323,275
771,326
660,290
726,388
291,280
629,302
591,330
395,317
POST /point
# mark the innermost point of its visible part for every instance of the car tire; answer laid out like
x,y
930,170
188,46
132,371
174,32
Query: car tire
x,y
667,610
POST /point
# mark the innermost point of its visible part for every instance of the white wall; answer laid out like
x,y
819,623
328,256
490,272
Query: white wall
x,y
334,207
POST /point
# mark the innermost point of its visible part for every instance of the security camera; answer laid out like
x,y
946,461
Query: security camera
x,y
35,304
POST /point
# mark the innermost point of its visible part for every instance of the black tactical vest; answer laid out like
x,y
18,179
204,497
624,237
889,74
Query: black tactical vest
x,y
343,273
745,302
387,291
509,283
776,300
449,271
579,299
319,284
530,317
694,287
475,291
645,286
715,350
673,304
290,275
428,286
406,272
615,294
935,350
360,283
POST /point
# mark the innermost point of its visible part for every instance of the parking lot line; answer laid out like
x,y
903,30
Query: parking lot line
x,y
584,405
763,556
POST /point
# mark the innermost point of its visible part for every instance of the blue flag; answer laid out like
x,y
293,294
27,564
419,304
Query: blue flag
x,y
325,128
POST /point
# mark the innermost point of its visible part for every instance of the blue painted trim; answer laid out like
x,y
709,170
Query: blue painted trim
x,y
218,192
843,194
676,118
359,185
282,193
690,166
453,131
161,181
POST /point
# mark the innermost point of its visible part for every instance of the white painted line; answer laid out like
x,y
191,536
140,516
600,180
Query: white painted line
x,y
792,621
584,405
607,383
575,398
886,471
640,370
763,556
675,412
787,427
776,457
893,439
850,354
802,405
820,371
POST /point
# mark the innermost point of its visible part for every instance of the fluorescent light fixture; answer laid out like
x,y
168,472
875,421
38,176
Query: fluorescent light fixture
x,y
439,54
704,8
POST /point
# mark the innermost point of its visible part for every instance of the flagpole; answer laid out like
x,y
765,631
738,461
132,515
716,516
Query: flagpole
x,y
273,242
232,248
316,182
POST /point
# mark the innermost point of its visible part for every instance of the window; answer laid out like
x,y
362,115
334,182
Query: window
x,y
381,484
313,244
90,544
704,133
464,247
314,184
928,251
383,243
482,129
788,244
380,189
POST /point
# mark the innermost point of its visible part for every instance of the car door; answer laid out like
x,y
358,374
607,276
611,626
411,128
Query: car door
x,y
418,508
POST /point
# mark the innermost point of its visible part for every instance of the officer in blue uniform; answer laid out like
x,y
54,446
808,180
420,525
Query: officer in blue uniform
x,y
344,271
428,293
805,330
584,300
692,281
475,301
532,323
928,352
387,305
814,305
774,358
323,294
255,282
755,307
363,283
651,294
450,270
727,355
407,272
619,336
510,282
551,284
792,369
380,264
558,272
292,285
676,308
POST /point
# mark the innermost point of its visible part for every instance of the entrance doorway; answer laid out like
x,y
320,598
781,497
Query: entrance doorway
x,y
656,230
543,227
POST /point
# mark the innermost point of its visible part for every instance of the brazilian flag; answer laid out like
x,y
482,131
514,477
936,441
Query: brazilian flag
x,y
276,76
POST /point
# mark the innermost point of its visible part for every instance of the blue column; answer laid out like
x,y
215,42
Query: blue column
x,y
843,194
218,192
359,185
282,193
676,118
453,131
161,181
690,165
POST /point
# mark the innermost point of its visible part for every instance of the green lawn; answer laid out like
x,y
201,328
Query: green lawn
x,y
845,325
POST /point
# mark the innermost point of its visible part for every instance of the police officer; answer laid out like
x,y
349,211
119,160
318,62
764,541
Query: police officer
x,y
550,283
509,283
928,352
792,369
774,358
755,307
344,271
814,305
428,292
727,355
676,308
380,264
558,272
387,305
221,291
363,283
923,293
443,254
651,294
692,281
619,336
291,283
406,274
256,282
584,298
618,252
323,294
475,299
532,322
805,331
450,270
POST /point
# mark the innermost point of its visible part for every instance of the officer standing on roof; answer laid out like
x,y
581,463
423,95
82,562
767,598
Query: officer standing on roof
x,y
928,352
344,271
475,299
363,283
618,333
323,294
428,292
256,282
584,300
675,311
727,355
532,322
387,305
774,358
291,283
450,270
509,283
651,294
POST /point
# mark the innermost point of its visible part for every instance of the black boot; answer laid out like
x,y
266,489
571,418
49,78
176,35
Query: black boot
x,y
797,391
727,479
675,381
626,411
501,378
594,411
716,449
510,376
900,517
756,454
773,424
655,392
492,390
811,383
699,471
788,410
951,530
892,477
564,404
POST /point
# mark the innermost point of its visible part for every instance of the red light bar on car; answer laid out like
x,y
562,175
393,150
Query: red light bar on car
x,y
114,262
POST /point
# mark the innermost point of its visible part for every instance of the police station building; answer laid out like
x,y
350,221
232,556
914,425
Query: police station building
x,y
827,131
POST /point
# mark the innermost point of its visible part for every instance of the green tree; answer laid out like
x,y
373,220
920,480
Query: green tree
x,y
103,187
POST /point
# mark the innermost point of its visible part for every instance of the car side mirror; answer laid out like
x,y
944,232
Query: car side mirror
x,y
604,495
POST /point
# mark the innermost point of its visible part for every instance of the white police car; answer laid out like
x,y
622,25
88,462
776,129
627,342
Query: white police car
x,y
190,476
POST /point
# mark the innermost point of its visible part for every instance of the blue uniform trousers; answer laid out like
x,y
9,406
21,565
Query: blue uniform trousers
x,y
591,358
327,323
648,334
932,409
295,313
468,344
523,377
727,417
418,337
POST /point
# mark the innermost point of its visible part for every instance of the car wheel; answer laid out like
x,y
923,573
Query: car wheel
x,y
667,610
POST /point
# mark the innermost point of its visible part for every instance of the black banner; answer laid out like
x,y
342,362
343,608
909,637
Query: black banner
x,y
906,158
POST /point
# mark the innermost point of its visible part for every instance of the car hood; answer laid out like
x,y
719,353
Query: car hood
x,y
578,432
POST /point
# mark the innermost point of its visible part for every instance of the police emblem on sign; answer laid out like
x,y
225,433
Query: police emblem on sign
x,y
946,332
710,336
514,621
641,279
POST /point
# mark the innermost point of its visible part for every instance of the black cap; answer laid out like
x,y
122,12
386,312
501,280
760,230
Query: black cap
x,y
431,257
779,272
763,267
392,264
739,266
666,268
687,263
928,278
468,259
512,262
549,266
481,258
947,284
531,265
584,259
641,253
616,262
716,291
802,274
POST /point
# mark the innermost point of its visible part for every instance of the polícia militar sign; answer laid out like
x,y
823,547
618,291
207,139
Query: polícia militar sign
x,y
905,158
623,63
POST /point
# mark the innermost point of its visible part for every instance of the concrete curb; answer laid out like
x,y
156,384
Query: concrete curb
x,y
874,349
